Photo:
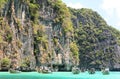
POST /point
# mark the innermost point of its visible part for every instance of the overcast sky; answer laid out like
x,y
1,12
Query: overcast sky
x,y
108,9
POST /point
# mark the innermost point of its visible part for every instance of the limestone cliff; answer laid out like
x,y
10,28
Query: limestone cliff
x,y
34,33
98,42
46,32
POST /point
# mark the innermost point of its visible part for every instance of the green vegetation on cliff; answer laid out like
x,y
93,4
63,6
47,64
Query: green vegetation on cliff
x,y
62,14
2,2
95,39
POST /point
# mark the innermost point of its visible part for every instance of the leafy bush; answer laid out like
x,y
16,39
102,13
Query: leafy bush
x,y
75,52
5,62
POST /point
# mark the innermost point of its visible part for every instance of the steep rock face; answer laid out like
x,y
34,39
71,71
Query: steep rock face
x,y
19,43
98,43
52,16
36,33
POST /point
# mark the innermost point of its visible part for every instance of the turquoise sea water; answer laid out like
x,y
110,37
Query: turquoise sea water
x,y
58,75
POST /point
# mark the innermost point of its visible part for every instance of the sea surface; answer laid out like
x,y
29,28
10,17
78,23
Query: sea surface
x,y
58,75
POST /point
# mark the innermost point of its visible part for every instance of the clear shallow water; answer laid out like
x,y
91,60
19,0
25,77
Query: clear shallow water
x,y
58,75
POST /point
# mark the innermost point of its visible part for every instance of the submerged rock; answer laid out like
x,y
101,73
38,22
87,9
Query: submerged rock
x,y
105,71
91,71
75,70
14,71
45,70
